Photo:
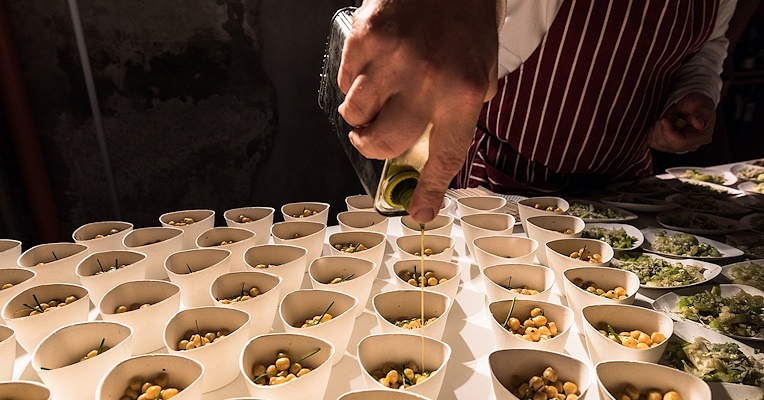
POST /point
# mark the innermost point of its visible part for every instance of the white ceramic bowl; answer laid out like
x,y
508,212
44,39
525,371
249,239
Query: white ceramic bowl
x,y
442,246
263,349
157,243
32,329
86,234
374,242
440,225
493,250
147,323
194,270
20,278
380,394
513,366
485,224
7,352
376,350
302,305
622,318
54,262
184,374
218,357
479,204
242,240
10,250
445,206
497,277
134,269
406,304
310,235
262,219
558,253
450,271
362,220
262,307
289,263
527,208
27,390
63,372
613,376
324,269
544,228
606,279
562,317
359,202
294,211
203,220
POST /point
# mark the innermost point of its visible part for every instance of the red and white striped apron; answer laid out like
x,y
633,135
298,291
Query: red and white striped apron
x,y
585,99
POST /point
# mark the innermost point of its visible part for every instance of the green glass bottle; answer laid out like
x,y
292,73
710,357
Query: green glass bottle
x,y
400,176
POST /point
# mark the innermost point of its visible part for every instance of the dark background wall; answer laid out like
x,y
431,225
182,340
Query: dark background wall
x,y
205,104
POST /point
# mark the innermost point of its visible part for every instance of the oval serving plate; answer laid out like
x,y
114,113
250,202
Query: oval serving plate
x,y
707,204
687,331
752,187
668,304
650,186
751,243
626,215
748,172
756,220
755,203
726,250
726,178
630,230
687,221
638,204
709,270
710,189
727,272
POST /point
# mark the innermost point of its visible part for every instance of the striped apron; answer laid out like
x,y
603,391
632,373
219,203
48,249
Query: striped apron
x,y
583,102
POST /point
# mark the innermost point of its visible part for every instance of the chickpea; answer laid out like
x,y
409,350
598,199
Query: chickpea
x,y
550,375
7,286
244,296
350,247
244,220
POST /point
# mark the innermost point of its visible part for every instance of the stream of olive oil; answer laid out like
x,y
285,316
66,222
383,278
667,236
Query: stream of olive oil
x,y
421,284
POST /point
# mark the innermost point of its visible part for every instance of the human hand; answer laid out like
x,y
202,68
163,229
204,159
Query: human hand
x,y
685,126
410,62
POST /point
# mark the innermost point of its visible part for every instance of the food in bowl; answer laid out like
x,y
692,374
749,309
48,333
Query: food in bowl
x,y
245,295
195,339
615,237
696,175
635,339
280,371
319,319
547,386
547,208
413,323
340,279
590,211
715,362
306,212
658,272
683,244
47,306
629,392
111,232
135,306
182,222
350,247
150,389
535,328
741,314
95,352
751,274
103,270
429,278
617,293
408,375
583,254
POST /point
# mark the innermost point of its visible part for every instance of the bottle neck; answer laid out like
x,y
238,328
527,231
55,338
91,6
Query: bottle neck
x,y
401,191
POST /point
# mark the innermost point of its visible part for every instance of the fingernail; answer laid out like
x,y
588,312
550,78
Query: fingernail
x,y
424,215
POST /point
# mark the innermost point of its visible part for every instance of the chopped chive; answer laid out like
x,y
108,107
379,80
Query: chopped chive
x,y
356,247
189,268
40,310
242,289
197,327
325,311
346,278
100,347
257,378
34,296
45,369
100,266
617,338
54,255
509,283
116,263
512,307
417,280
302,359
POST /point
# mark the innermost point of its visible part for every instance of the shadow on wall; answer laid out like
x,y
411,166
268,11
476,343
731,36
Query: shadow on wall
x,y
205,104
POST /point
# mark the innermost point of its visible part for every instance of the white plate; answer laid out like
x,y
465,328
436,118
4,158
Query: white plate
x,y
753,202
627,216
724,225
644,187
727,269
630,230
688,331
645,204
756,220
668,303
725,191
717,206
726,250
737,168
750,187
728,177
747,237
710,270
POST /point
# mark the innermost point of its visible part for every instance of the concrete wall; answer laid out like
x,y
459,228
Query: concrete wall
x,y
205,104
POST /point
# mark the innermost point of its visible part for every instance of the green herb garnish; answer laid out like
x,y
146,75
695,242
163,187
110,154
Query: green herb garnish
x,y
54,255
100,266
325,311
512,307
189,268
100,347
617,338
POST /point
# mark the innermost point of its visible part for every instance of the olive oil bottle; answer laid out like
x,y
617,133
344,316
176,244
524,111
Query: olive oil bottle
x,y
400,176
